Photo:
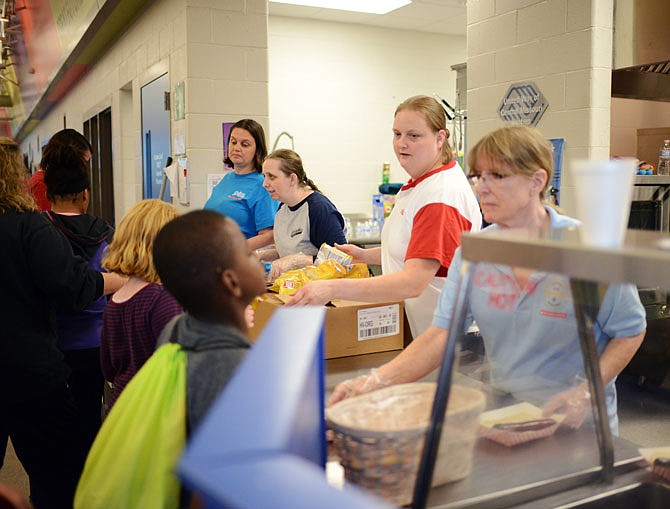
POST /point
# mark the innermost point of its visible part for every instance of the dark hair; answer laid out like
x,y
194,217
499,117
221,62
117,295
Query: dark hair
x,y
66,175
64,139
291,163
256,131
190,252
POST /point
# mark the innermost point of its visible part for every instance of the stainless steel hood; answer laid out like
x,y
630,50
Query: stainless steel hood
x,y
641,64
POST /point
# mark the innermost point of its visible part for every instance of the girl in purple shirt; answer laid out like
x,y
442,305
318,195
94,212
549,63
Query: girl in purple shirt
x,y
136,314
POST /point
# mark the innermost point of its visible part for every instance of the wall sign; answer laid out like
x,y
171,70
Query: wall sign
x,y
179,101
523,103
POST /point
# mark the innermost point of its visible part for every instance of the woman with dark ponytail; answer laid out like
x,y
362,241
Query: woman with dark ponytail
x,y
68,188
64,140
306,218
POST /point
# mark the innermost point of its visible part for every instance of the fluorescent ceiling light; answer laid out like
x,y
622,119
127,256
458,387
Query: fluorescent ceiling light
x,y
368,6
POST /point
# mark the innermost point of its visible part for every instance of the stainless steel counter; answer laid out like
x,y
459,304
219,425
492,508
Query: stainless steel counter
x,y
514,475
510,476
568,461
652,180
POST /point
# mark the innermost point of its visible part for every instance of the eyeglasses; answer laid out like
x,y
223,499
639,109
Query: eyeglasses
x,y
490,178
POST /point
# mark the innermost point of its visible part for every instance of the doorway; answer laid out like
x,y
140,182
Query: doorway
x,y
98,131
155,137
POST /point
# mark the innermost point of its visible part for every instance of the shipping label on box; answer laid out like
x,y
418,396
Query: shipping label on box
x,y
351,328
378,322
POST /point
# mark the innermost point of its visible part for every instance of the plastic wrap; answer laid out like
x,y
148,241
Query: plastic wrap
x,y
287,263
379,437
362,384
574,403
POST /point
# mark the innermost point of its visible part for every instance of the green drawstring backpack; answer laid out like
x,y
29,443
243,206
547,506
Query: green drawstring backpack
x,y
131,464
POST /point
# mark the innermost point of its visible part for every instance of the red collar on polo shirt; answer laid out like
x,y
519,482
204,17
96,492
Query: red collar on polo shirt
x,y
413,183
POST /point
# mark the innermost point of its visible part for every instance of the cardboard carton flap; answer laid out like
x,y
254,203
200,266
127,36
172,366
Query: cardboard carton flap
x,y
342,303
352,328
279,299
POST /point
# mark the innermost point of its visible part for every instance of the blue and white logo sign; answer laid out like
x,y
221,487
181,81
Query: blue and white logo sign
x,y
523,103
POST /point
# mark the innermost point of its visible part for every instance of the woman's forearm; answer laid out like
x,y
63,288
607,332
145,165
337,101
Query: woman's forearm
x,y
264,238
617,355
420,358
408,283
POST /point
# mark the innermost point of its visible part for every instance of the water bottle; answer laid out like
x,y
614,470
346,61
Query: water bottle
x,y
664,159
386,173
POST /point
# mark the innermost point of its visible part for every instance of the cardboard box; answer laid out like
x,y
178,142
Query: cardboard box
x,y
649,143
351,328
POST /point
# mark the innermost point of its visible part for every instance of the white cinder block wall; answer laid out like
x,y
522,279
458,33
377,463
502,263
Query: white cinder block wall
x,y
227,79
335,86
565,47
150,47
218,48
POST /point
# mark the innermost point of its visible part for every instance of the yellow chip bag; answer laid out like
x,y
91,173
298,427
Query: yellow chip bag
x,y
358,270
329,269
290,285
293,277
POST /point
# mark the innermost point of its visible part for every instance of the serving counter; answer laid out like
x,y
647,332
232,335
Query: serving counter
x,y
507,476
572,466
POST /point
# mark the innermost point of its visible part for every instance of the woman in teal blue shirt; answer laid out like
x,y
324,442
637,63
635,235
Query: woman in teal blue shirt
x,y
240,194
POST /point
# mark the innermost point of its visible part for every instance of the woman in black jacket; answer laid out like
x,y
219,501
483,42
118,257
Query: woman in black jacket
x,y
40,275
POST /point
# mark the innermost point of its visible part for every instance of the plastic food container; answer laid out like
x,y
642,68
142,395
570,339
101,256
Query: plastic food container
x,y
379,437
515,413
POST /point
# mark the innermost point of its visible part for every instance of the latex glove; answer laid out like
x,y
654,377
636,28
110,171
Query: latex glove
x,y
358,253
360,385
574,403
267,253
286,263
249,315
314,293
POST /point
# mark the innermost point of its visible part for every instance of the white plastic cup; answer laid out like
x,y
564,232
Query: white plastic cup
x,y
603,190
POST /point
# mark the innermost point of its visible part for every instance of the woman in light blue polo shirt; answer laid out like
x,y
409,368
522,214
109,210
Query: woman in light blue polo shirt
x,y
526,318
240,194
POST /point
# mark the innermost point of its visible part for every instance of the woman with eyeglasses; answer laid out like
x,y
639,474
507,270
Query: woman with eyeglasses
x,y
420,236
526,318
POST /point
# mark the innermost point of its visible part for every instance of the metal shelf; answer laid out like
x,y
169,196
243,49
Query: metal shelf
x,y
644,259
652,180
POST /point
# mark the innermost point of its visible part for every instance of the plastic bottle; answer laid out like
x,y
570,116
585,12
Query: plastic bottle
x,y
664,159
378,207
386,173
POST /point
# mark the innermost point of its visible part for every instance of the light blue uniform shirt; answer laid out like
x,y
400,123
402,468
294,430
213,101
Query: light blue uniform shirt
x,y
244,199
530,334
